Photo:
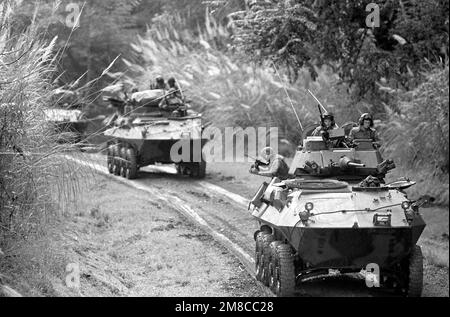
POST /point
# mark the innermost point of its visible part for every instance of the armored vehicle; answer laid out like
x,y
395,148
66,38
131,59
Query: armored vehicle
x,y
67,117
143,132
69,124
337,214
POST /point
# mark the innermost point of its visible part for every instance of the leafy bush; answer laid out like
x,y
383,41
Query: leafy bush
x,y
303,34
417,135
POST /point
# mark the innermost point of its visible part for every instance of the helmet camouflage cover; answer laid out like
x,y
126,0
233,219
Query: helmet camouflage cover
x,y
364,117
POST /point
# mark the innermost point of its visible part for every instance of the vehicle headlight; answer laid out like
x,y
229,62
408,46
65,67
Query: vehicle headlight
x,y
406,205
309,206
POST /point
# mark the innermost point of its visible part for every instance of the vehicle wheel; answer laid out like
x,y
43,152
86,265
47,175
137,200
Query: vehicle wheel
x,y
180,169
123,162
132,168
415,277
259,257
285,283
116,160
110,160
198,170
201,170
273,266
267,240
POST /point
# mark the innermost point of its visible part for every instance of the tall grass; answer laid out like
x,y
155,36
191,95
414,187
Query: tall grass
x,y
226,90
32,174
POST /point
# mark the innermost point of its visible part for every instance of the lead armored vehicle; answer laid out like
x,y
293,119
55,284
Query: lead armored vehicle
x,y
143,133
337,214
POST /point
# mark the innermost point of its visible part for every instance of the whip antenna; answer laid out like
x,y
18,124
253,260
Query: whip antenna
x,y
318,101
287,93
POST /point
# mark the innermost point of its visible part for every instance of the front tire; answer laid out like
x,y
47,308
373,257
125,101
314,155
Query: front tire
x,y
415,276
132,167
285,283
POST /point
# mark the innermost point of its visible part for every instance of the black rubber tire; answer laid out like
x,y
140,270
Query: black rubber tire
x,y
286,282
116,160
110,160
201,170
273,264
267,241
259,255
198,170
132,167
123,162
415,278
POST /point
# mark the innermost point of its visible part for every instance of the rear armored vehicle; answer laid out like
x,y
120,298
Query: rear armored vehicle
x,y
67,117
336,213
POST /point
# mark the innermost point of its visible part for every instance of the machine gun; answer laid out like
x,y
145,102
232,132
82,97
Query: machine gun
x,y
386,166
345,163
258,162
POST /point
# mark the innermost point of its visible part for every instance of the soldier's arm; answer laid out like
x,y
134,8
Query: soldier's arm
x,y
273,169
316,132
351,136
376,138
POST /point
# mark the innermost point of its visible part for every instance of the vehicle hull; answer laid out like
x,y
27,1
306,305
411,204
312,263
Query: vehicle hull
x,y
351,247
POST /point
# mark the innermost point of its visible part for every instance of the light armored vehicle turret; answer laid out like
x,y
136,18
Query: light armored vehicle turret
x,y
144,133
336,213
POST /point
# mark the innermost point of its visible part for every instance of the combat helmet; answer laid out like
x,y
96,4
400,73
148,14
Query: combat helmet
x,y
364,117
329,115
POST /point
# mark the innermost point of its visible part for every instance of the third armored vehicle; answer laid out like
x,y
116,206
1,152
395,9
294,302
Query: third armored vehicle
x,y
336,213
145,134
67,117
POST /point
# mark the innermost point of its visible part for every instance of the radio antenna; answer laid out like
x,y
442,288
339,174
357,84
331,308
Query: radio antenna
x,y
287,93
320,104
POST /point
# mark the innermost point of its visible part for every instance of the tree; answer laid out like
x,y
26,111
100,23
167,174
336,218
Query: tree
x,y
305,33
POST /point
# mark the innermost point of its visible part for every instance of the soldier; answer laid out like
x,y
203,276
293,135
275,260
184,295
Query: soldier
x,y
365,131
328,124
274,165
174,90
159,83
173,101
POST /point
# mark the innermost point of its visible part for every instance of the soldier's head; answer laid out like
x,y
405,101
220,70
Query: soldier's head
x,y
172,82
159,80
267,153
366,121
328,120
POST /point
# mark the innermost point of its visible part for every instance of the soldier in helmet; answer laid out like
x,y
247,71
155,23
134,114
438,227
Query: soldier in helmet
x,y
273,165
173,100
365,130
327,125
174,90
159,83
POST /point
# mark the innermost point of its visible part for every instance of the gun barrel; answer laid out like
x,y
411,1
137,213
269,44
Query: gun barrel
x,y
346,162
351,164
